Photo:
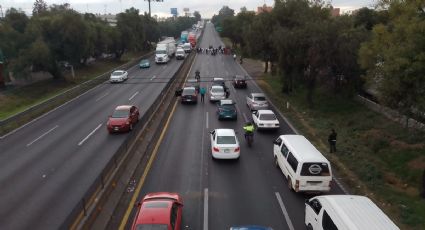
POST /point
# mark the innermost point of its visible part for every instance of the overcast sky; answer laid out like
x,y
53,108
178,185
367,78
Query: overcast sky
x,y
207,8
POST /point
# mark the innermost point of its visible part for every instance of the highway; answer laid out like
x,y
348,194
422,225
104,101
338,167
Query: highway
x,y
218,194
47,166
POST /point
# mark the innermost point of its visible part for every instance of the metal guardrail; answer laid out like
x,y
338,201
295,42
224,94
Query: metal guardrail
x,y
90,204
35,111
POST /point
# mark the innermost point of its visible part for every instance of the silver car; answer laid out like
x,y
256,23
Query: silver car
x,y
217,93
256,101
118,76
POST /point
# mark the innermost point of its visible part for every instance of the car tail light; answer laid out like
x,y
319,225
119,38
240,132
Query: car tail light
x,y
297,185
237,149
216,149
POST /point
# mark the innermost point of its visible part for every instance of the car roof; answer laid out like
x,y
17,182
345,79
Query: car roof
x,y
225,132
302,149
265,111
258,94
156,208
180,49
116,71
240,76
357,212
145,60
218,79
189,87
123,107
191,80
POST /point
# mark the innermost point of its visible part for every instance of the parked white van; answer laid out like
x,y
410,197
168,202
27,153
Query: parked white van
x,y
345,212
305,168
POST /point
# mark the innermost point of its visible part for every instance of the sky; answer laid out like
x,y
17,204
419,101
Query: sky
x,y
207,8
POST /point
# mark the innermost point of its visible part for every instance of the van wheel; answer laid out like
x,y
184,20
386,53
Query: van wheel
x,y
309,227
276,163
289,183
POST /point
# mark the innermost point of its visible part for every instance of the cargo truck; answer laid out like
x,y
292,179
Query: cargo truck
x,y
165,50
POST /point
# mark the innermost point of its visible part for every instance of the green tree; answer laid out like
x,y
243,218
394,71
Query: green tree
x,y
225,12
197,15
16,19
40,6
395,57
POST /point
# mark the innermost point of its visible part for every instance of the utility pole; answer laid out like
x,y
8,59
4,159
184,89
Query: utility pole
x,y
149,1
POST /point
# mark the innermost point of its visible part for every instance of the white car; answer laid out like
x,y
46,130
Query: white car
x,y
217,93
224,144
118,76
265,119
256,101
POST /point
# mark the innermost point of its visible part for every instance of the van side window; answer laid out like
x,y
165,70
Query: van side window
x,y
327,222
316,206
284,150
292,161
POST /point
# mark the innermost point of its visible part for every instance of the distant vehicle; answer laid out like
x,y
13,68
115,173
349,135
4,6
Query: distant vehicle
x,y
250,227
346,212
144,63
180,54
123,119
189,95
118,76
305,168
159,211
165,50
256,101
217,93
224,144
191,82
184,36
226,109
187,47
192,39
220,81
265,119
239,81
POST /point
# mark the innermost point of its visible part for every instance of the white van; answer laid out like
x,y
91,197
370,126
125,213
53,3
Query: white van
x,y
345,212
305,168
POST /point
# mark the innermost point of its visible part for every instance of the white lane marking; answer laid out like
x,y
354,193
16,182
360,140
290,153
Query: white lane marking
x,y
44,134
104,95
131,98
285,213
207,120
205,209
88,136
245,117
153,77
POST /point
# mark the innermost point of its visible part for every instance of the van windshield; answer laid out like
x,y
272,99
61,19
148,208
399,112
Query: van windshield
x,y
161,51
315,169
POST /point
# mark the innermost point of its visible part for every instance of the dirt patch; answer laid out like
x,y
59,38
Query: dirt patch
x,y
376,134
398,185
418,163
406,146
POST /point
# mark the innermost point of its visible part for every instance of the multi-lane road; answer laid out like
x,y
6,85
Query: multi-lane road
x,y
219,194
47,166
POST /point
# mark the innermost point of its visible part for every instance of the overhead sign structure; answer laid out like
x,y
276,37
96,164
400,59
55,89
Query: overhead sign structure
x,y
174,12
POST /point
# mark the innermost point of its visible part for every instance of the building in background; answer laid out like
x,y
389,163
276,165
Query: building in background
x,y
111,19
264,9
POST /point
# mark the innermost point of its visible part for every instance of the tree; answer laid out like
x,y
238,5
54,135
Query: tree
x,y
225,12
197,15
40,6
16,19
394,58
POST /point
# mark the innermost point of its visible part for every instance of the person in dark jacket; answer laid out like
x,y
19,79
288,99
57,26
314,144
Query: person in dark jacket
x,y
332,141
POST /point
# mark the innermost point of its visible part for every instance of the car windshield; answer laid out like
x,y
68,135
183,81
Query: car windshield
x,y
151,227
120,113
218,82
227,106
117,73
226,140
188,91
259,98
217,90
144,61
267,117
161,52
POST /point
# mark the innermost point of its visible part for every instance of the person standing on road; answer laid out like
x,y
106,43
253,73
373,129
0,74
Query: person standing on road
x,y
202,91
332,141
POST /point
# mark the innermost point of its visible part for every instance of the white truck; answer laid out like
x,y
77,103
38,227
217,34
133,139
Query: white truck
x,y
165,50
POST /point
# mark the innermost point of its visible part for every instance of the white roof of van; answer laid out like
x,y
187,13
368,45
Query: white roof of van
x,y
357,212
303,149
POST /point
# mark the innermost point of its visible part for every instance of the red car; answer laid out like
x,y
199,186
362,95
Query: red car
x,y
159,211
123,118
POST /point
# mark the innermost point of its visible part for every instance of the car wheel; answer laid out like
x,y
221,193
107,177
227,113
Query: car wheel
x,y
309,227
289,183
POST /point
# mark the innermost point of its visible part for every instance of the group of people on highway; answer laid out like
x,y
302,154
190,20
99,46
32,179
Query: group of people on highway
x,y
214,50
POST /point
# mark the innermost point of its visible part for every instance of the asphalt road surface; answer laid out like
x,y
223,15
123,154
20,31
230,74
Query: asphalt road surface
x,y
218,194
48,165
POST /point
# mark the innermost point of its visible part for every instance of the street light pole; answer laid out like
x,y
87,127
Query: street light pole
x,y
149,2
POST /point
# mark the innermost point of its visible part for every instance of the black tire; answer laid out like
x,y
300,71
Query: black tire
x,y
276,162
309,227
290,183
